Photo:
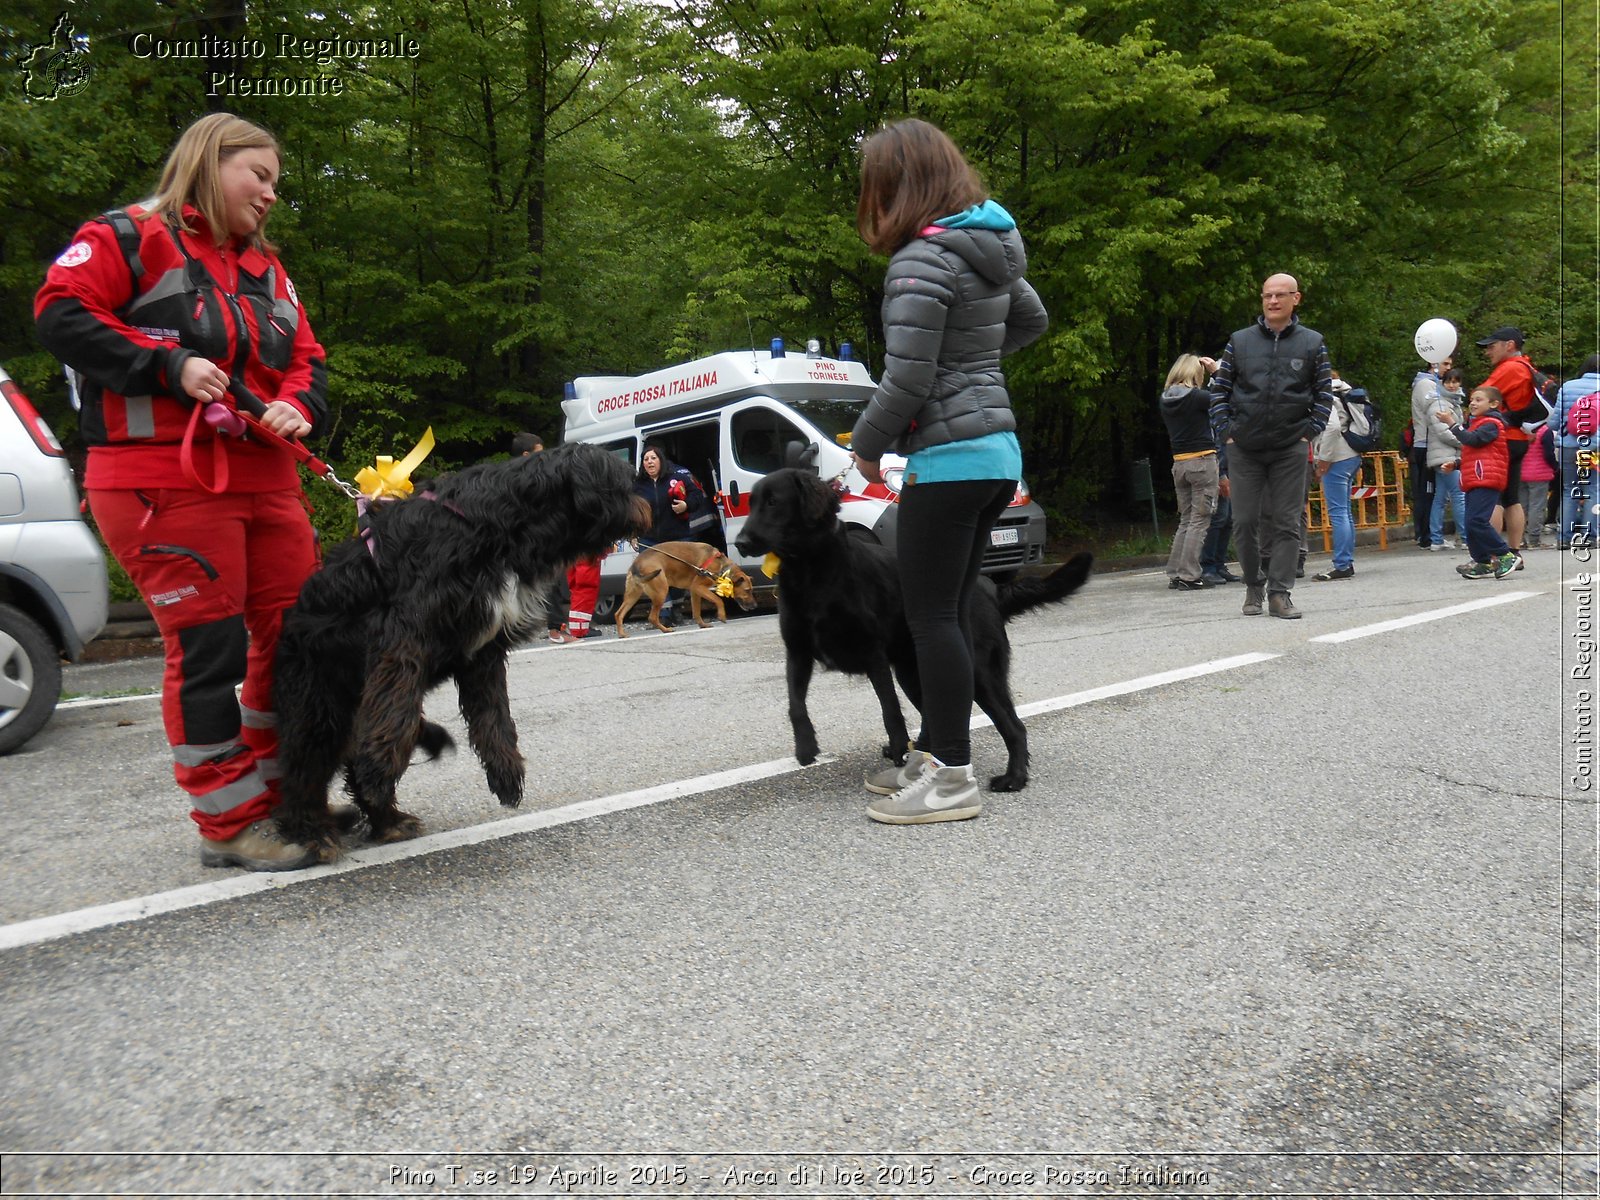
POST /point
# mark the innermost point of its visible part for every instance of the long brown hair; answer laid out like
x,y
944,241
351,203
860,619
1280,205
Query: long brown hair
x,y
190,175
911,174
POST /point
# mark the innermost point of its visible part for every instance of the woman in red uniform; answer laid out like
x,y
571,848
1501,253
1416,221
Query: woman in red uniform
x,y
170,313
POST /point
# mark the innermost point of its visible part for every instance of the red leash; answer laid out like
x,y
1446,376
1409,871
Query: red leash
x,y
226,421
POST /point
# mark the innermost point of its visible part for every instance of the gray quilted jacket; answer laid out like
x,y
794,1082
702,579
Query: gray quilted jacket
x,y
953,304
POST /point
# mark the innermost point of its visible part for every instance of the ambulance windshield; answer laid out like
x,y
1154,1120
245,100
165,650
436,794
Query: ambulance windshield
x,y
836,418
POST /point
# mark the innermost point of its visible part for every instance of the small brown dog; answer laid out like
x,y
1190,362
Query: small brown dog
x,y
704,570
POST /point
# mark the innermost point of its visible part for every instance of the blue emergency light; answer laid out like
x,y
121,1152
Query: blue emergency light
x,y
777,347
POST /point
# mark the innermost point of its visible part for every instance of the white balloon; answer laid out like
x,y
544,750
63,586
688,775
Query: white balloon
x,y
1435,340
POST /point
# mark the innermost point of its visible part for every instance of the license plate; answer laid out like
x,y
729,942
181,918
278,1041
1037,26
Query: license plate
x,y
1002,537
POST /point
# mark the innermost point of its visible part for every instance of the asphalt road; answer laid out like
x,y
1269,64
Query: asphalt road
x,y
1277,914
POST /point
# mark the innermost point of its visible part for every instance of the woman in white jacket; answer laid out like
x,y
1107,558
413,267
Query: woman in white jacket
x,y
1444,460
1337,465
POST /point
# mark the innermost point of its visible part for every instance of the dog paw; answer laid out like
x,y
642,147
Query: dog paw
x,y
894,753
1011,781
326,849
400,827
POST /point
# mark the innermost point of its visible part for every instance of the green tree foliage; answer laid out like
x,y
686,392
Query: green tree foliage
x,y
550,188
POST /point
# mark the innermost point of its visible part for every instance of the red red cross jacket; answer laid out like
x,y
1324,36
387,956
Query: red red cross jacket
x,y
126,325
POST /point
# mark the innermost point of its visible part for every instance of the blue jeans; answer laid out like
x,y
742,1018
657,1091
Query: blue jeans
x,y
1214,554
1577,499
1447,492
1336,499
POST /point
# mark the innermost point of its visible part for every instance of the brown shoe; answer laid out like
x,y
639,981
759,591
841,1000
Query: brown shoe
x,y
1252,600
260,847
1279,605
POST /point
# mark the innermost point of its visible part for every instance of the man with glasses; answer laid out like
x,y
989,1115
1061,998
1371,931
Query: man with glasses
x,y
1271,394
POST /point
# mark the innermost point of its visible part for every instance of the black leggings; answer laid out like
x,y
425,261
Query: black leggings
x,y
942,533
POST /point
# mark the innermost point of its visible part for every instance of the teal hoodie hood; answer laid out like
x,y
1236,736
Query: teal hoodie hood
x,y
987,215
986,239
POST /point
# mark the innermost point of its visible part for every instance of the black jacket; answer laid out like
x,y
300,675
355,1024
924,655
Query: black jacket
x,y
1271,389
667,525
1186,410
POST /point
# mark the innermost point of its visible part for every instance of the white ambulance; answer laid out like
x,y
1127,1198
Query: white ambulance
x,y
731,418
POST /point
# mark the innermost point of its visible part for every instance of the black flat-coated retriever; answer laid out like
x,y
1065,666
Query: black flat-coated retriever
x,y
839,604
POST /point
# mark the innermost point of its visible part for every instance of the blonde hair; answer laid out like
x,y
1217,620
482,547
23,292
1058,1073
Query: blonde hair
x,y
191,173
1188,370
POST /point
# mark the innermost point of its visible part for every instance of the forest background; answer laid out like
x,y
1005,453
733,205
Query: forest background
x,y
553,188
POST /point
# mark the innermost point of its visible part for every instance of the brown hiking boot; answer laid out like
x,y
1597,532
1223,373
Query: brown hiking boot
x,y
1252,600
1279,605
259,847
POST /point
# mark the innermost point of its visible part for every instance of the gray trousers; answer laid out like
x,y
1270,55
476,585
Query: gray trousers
x,y
1269,495
1195,480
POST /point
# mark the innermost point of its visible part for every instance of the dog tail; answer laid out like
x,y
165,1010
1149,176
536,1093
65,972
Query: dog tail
x,y
638,574
1021,595
433,740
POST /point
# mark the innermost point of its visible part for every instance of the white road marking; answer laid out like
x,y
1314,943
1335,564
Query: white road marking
x,y
1435,614
44,929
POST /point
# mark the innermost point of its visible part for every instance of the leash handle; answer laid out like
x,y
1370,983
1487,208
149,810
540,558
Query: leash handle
x,y
251,409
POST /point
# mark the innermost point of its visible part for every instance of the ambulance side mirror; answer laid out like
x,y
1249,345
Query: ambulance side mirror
x,y
800,454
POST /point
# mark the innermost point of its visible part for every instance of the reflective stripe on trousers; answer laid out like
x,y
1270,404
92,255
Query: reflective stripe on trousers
x,y
217,573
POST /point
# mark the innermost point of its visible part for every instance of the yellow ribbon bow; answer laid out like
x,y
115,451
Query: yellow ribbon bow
x,y
387,479
724,586
769,566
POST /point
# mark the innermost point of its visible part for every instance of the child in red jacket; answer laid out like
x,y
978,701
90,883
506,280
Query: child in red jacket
x,y
1484,469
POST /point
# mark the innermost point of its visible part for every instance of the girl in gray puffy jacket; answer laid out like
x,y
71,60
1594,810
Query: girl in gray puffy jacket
x,y
954,302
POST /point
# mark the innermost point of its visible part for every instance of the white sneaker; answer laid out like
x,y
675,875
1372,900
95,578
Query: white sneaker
x,y
939,793
890,780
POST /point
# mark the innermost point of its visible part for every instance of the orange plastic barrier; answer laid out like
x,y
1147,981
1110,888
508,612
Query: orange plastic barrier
x,y
1379,497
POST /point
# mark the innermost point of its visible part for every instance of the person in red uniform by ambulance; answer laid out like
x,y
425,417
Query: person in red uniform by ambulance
x,y
172,314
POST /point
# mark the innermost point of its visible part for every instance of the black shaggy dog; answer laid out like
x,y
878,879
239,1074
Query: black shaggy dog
x,y
449,580
839,604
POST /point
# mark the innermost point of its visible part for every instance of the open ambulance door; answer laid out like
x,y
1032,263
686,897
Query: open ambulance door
x,y
756,434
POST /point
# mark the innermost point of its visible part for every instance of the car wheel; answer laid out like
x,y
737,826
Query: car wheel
x,y
30,677
605,607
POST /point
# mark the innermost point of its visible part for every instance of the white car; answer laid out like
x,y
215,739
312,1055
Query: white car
x,y
53,593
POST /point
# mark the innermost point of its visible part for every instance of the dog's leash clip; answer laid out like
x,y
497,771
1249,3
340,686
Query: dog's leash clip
x,y
350,490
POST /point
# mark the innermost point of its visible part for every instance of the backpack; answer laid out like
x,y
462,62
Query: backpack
x,y
1543,386
1583,418
1364,424
1544,393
